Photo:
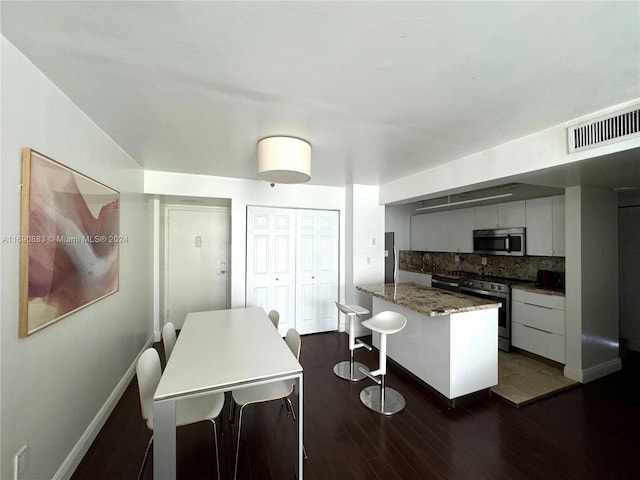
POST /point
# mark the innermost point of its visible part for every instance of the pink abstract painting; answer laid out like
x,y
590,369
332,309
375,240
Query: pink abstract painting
x,y
69,242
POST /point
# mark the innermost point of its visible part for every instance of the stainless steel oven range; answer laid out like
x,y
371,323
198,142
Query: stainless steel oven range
x,y
444,282
499,291
450,279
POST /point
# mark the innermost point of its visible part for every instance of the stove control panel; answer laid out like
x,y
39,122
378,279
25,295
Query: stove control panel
x,y
487,286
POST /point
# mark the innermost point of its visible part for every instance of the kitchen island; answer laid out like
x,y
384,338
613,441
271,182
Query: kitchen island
x,y
450,341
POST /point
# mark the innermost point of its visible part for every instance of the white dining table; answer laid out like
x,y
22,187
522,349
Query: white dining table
x,y
219,351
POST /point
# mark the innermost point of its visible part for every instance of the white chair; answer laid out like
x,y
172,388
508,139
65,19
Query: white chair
x,y
188,411
382,399
274,316
264,393
349,369
168,339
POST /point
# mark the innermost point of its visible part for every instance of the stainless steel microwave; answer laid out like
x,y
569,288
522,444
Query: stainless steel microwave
x,y
500,241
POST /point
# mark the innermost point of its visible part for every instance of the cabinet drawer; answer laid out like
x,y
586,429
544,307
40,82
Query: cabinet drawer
x,y
548,301
548,345
542,318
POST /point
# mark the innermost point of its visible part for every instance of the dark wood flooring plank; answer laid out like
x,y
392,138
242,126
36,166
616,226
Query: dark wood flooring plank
x,y
590,432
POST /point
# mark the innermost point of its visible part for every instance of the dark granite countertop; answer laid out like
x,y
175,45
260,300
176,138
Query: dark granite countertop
x,y
432,302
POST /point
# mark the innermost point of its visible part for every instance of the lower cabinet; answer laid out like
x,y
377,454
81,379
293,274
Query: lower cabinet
x,y
538,323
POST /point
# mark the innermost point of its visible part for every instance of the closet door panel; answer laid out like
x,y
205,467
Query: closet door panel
x,y
292,266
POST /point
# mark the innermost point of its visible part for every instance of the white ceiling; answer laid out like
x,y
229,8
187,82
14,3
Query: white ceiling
x,y
381,90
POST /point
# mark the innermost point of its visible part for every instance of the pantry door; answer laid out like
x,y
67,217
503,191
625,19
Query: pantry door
x,y
271,262
197,246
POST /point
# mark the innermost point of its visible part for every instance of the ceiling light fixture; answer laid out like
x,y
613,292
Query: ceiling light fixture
x,y
284,160
464,201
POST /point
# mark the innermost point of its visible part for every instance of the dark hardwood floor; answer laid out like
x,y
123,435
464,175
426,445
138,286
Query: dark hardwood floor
x,y
590,432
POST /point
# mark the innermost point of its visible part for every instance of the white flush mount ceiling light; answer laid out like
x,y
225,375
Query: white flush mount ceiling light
x,y
284,160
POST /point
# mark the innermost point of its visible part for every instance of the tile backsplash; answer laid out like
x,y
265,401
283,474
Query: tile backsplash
x,y
524,268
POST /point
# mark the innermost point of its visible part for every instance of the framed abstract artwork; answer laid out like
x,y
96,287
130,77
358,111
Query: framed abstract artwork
x,y
69,242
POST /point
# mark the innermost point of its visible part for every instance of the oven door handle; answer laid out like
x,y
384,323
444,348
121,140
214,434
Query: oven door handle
x,y
483,292
442,282
507,243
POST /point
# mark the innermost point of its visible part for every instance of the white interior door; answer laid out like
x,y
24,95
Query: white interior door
x,y
316,270
271,262
197,245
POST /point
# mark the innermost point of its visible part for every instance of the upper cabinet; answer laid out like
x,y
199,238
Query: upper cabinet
x,y
503,215
486,217
449,231
462,228
545,226
539,226
557,212
511,214
452,230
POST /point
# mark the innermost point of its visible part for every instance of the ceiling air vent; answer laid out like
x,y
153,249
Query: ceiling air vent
x,y
611,128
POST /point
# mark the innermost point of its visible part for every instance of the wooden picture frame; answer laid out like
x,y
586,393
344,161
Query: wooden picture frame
x,y
69,242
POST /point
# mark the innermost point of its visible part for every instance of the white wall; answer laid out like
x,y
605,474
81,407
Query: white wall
x,y
242,193
630,275
55,382
397,219
534,152
365,260
591,264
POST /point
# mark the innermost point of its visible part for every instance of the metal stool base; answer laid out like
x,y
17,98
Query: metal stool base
x,y
344,371
393,401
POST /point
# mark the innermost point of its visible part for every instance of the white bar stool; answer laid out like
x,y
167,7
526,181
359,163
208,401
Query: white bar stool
x,y
349,369
382,399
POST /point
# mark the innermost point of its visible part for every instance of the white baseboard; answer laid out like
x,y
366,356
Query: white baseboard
x,y
593,373
574,374
82,446
601,370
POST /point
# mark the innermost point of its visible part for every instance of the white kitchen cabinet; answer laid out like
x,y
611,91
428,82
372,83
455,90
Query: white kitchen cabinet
x,y
558,219
419,229
462,228
538,323
448,231
486,217
545,226
452,231
539,226
502,215
511,214
438,231
428,232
